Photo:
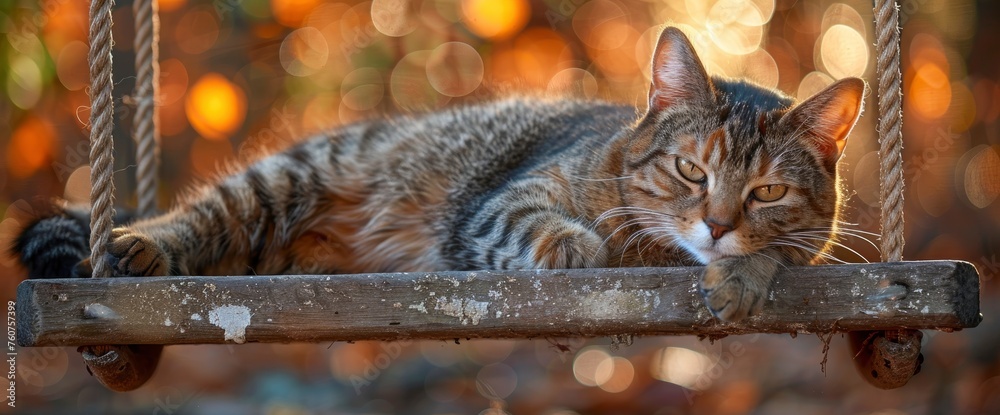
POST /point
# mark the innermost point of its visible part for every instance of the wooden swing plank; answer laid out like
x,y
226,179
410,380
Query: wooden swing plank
x,y
484,304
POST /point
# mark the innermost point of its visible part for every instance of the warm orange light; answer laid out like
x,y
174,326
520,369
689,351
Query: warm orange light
x,y
539,55
171,5
62,23
291,12
930,91
30,148
495,19
215,107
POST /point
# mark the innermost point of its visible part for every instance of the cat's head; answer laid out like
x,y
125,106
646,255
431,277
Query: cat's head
x,y
726,167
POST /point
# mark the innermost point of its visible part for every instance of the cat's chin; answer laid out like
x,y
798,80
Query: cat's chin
x,y
712,252
706,256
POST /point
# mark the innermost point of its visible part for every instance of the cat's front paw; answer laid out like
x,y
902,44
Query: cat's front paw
x,y
133,254
734,289
569,246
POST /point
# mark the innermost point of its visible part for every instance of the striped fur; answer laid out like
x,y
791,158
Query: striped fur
x,y
54,238
533,183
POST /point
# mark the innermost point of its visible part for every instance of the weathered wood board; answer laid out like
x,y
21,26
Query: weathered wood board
x,y
483,304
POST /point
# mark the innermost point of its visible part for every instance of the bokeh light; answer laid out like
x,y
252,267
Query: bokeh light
x,y
173,81
495,19
31,147
736,26
930,91
24,82
589,367
410,86
622,373
844,52
928,75
78,186
455,69
982,176
63,24
760,67
72,57
393,17
361,91
291,12
215,107
680,366
304,52
170,5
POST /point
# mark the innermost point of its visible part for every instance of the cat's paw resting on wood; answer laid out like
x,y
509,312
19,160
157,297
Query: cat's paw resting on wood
x,y
715,172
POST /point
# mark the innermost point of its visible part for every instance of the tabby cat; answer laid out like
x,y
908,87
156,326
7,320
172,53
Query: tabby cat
x,y
716,171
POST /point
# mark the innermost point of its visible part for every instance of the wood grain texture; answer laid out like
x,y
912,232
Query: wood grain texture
x,y
484,304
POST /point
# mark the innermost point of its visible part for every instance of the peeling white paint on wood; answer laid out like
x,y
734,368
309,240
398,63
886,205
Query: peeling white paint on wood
x,y
233,319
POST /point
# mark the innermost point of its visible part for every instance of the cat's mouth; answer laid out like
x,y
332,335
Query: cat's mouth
x,y
707,249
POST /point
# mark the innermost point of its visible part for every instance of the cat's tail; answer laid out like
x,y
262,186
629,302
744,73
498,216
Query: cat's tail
x,y
54,239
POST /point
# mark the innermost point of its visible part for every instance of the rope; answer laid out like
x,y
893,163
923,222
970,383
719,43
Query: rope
x,y
102,192
890,129
147,90
893,356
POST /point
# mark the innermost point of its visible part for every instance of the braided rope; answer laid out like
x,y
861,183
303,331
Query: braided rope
x,y
102,192
147,89
890,129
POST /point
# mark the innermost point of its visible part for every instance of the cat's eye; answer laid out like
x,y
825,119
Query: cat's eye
x,y
770,193
690,171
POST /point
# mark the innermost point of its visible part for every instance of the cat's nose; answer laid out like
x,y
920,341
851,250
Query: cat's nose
x,y
718,229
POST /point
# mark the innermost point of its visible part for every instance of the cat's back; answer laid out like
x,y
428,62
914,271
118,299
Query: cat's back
x,y
493,139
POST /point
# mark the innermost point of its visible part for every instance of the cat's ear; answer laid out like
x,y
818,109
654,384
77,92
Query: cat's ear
x,y
678,75
824,120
